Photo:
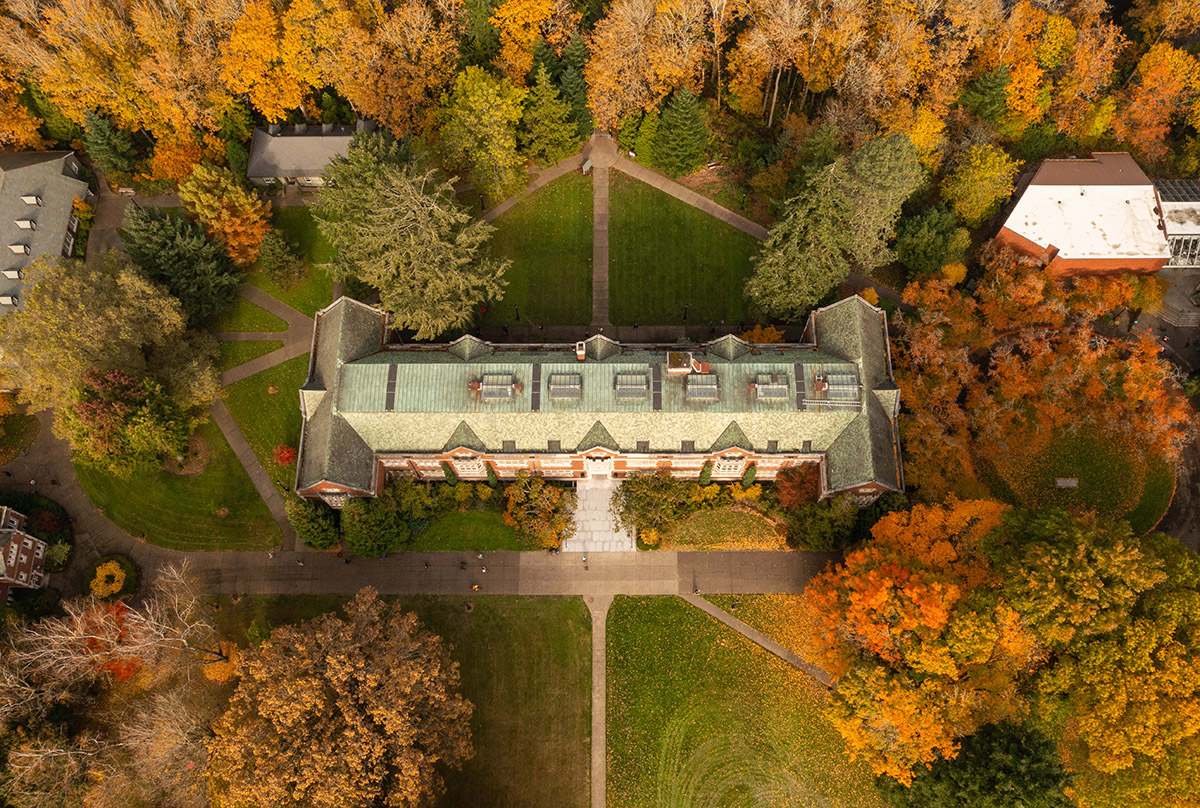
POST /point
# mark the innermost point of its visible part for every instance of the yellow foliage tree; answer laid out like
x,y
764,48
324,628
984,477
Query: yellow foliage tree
x,y
108,580
253,62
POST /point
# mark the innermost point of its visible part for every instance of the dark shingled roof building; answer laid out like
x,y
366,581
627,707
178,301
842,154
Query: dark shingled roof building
x,y
373,408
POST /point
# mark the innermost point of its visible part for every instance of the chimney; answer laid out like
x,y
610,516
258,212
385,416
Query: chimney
x,y
581,351
273,128
326,128
301,128
698,366
474,386
15,274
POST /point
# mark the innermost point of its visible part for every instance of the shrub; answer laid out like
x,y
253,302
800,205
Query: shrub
x,y
870,295
284,455
48,520
955,272
706,473
540,509
492,479
748,475
280,259
655,501
315,523
825,526
798,486
980,182
373,527
259,631
111,577
57,556
448,471
464,494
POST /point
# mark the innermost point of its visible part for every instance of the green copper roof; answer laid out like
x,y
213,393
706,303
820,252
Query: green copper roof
x,y
485,397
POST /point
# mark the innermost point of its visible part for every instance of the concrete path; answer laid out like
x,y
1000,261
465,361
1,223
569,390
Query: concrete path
x,y
262,483
599,609
542,178
594,528
689,196
759,638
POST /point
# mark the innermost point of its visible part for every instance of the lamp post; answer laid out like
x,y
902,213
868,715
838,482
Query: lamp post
x,y
517,313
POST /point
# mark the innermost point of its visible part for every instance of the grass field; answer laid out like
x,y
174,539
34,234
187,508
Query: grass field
x,y
548,237
17,433
233,354
525,664
724,529
315,292
1156,497
700,716
476,531
665,254
185,513
269,419
245,316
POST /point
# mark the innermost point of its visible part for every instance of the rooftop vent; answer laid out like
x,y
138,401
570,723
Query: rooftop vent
x,y
702,388
772,386
300,128
497,386
567,386
326,128
581,351
632,386
273,128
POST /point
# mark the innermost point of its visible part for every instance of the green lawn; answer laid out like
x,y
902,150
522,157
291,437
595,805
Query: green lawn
x,y
233,354
548,237
724,529
525,665
245,316
269,419
185,513
475,531
1156,497
17,433
1115,477
315,292
700,716
665,254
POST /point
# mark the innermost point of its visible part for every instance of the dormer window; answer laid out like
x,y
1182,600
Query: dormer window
x,y
32,199
19,249
26,224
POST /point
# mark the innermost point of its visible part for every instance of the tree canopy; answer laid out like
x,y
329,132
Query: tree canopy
x,y
338,712
479,132
397,227
841,220
175,252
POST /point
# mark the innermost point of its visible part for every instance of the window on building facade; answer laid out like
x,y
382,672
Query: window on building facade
x,y
688,446
567,386
643,446
554,446
632,386
728,466
509,445
469,467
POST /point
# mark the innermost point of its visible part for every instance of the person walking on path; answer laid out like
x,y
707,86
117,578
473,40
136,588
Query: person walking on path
x,y
299,563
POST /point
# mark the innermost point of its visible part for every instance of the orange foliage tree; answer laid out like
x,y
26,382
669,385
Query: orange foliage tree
x,y
253,62
228,211
1165,88
1020,358
522,23
921,651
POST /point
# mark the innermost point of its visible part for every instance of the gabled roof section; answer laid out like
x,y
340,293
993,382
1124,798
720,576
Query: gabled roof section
x,y
345,331
296,154
732,437
728,347
866,451
598,437
600,347
464,437
468,347
853,330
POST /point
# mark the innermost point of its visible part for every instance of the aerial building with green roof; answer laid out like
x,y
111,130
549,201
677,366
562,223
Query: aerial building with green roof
x,y
374,408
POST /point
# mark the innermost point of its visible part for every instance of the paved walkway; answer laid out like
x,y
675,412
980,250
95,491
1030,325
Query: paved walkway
x,y
759,638
542,178
599,609
262,483
594,529
297,340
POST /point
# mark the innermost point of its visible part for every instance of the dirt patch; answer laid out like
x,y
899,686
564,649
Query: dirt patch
x,y
724,186
193,463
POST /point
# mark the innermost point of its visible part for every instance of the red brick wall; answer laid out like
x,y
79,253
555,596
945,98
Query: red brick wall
x,y
1074,267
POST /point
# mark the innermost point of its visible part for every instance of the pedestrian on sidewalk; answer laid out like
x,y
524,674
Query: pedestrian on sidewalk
x,y
345,560
8,474
485,569
479,556
33,482
426,565
299,563
339,553
585,559
462,565
270,554
475,587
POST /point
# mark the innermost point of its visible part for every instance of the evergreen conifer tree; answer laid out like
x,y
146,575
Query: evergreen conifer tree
x,y
174,251
647,133
574,92
547,131
110,148
682,136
